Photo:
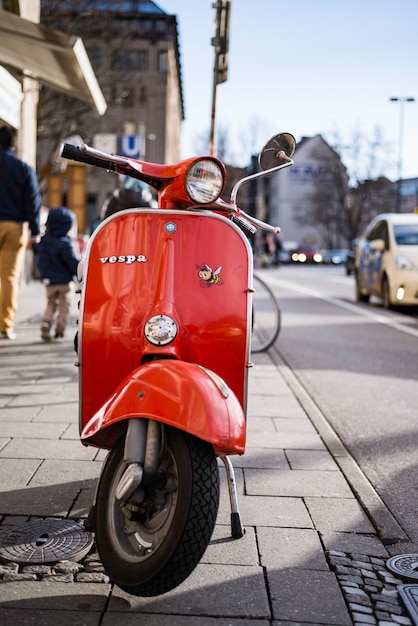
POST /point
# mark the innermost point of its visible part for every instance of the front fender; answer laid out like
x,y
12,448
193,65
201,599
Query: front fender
x,y
176,393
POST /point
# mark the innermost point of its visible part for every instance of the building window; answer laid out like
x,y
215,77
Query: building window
x,y
161,27
130,60
123,95
162,61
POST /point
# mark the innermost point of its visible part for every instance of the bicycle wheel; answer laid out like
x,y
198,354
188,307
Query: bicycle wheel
x,y
266,317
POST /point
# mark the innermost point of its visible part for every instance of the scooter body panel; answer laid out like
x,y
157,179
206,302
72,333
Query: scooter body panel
x,y
176,393
195,267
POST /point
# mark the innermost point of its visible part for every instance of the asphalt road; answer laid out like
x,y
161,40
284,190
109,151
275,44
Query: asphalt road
x,y
359,363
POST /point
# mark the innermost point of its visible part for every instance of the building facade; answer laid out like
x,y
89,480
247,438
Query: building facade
x,y
294,193
134,50
32,56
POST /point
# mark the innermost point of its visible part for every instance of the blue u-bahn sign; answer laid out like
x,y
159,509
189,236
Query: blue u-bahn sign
x,y
131,146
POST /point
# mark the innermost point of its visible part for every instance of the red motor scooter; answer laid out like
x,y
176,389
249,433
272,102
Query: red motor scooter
x,y
164,345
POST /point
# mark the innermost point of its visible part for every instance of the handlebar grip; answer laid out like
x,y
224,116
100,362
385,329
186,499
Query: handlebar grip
x,y
68,151
244,225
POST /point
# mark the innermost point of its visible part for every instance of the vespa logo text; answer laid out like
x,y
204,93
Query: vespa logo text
x,y
125,258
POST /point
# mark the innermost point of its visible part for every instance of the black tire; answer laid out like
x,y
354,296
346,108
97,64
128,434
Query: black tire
x,y
361,297
266,321
386,294
159,552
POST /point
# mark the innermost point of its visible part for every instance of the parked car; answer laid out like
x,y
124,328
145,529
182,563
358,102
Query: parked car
x,y
334,257
306,255
386,262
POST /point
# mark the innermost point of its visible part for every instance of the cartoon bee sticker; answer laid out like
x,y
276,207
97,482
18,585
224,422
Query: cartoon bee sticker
x,y
208,277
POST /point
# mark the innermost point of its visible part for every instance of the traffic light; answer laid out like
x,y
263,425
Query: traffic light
x,y
221,39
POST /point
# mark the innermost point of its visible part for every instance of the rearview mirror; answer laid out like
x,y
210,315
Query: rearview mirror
x,y
378,245
276,150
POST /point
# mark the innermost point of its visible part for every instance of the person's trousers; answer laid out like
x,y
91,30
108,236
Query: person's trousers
x,y
12,246
59,298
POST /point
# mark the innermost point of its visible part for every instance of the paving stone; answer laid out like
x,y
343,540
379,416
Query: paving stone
x,y
296,483
364,565
389,607
290,548
261,458
343,570
359,608
32,431
286,440
211,590
58,413
223,549
348,542
20,414
16,473
61,578
293,425
285,406
270,511
37,569
403,621
92,577
146,619
311,460
363,619
350,581
383,618
79,472
313,605
94,566
47,595
339,514
62,450
47,617
19,576
8,568
44,501
71,432
68,567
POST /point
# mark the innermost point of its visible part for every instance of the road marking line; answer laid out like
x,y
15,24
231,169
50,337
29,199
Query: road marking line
x,y
381,319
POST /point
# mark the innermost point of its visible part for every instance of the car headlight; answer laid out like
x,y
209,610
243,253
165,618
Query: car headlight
x,y
403,263
204,181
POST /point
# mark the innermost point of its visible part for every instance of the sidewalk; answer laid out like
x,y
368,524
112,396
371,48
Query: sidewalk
x,y
310,554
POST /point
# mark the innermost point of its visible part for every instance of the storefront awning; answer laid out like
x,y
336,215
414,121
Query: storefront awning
x,y
49,56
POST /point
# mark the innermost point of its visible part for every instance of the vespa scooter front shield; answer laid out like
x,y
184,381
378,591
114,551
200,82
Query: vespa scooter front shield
x,y
194,267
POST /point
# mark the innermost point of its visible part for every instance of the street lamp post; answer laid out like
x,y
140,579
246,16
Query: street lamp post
x,y
401,116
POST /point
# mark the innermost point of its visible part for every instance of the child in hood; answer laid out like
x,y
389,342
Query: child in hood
x,y
57,260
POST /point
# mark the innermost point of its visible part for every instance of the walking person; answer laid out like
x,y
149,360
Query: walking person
x,y
20,203
57,260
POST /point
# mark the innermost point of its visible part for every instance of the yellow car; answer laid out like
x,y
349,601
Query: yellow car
x,y
386,263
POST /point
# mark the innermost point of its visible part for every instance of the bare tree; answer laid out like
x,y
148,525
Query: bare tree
x,y
201,143
60,115
370,193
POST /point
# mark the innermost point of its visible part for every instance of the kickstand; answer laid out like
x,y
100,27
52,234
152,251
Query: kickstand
x,y
237,529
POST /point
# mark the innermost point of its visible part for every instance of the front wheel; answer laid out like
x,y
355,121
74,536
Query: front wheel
x,y
361,297
387,304
151,543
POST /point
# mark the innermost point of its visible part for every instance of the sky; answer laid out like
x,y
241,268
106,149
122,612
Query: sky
x,y
306,67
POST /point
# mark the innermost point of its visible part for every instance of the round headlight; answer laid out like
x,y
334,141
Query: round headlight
x,y
160,330
204,181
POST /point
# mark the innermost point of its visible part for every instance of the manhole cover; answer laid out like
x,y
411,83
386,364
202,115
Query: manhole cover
x,y
404,565
409,595
44,541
